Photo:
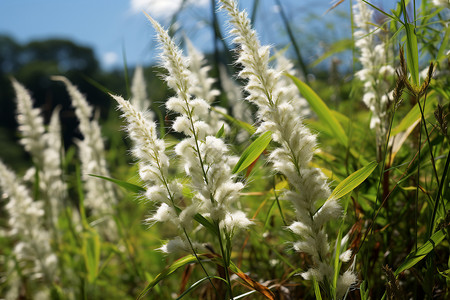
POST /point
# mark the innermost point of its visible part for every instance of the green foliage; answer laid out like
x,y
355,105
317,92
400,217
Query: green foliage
x,y
396,218
251,154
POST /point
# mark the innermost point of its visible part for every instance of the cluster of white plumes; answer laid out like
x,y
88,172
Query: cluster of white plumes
x,y
277,114
34,222
99,197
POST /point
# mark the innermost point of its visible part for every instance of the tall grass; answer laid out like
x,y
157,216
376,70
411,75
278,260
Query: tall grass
x,y
277,196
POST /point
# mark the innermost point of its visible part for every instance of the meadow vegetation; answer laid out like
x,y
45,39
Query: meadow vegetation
x,y
251,180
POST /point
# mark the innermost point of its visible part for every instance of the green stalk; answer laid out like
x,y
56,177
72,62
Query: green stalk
x,y
226,261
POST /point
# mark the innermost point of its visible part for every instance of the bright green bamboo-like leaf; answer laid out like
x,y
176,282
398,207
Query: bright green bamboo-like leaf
x,y
351,182
253,151
221,131
416,256
412,53
414,114
321,109
444,46
91,253
126,185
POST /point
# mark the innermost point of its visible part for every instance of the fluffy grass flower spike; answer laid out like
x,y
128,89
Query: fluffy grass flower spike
x,y
295,151
33,254
100,196
205,157
139,92
202,87
45,149
375,71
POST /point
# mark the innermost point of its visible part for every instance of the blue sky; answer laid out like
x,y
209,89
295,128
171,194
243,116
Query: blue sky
x,y
111,25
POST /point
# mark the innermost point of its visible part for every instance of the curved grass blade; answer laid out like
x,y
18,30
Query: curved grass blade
x,y
188,259
416,256
221,131
250,282
91,253
321,109
126,185
197,283
414,115
317,290
351,182
202,220
412,51
253,152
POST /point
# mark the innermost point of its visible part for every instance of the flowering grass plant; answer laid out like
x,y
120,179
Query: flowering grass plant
x,y
276,196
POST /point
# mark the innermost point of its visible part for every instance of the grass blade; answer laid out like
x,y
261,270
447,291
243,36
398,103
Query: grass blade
x,y
416,256
126,185
197,283
351,182
253,152
412,53
317,289
414,115
188,259
91,254
321,109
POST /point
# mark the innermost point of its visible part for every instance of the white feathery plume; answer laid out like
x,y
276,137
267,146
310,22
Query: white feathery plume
x,y
45,148
153,163
291,92
202,88
100,196
205,157
26,224
297,145
31,123
375,70
139,96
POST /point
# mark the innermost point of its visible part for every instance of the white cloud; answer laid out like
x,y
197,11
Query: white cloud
x,y
162,8
110,58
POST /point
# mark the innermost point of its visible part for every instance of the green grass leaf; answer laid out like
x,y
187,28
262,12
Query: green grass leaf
x,y
197,284
126,185
414,114
351,182
317,289
221,131
416,256
253,152
91,253
206,223
188,259
412,53
321,109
